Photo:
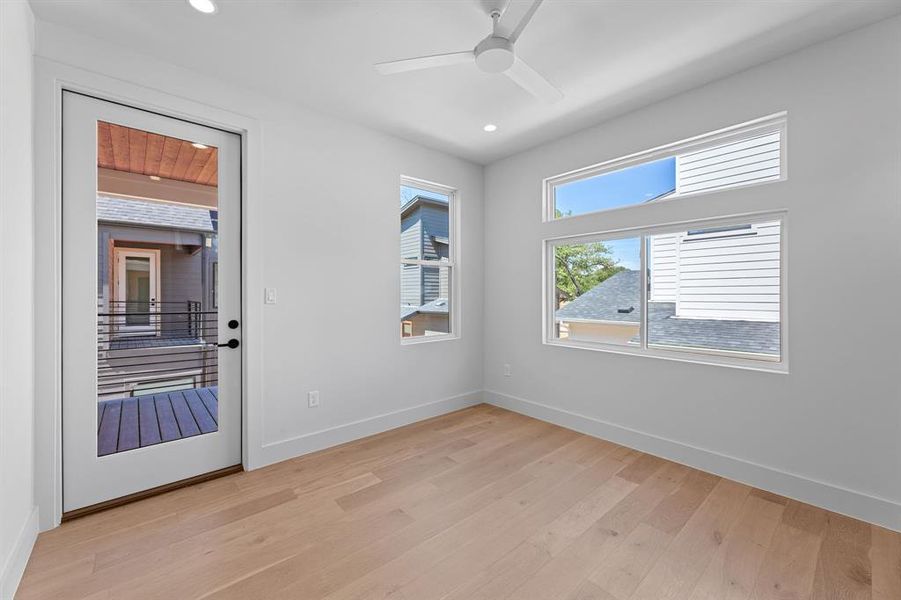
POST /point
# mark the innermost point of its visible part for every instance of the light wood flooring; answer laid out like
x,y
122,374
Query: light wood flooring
x,y
479,504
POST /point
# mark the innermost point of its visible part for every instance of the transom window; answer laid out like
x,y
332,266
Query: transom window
x,y
746,154
428,300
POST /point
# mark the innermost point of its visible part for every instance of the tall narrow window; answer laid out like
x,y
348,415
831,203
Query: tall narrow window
x,y
427,261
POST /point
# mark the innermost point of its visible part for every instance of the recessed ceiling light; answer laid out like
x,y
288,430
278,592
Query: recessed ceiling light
x,y
154,177
200,146
490,127
207,7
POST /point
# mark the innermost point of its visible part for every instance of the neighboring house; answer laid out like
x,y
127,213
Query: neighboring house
x,y
715,289
424,290
157,269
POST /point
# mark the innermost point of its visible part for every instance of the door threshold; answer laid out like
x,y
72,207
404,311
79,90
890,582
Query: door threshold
x,y
161,489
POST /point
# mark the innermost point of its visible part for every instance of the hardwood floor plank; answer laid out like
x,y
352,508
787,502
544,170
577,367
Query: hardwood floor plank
x,y
563,574
624,569
677,571
843,567
449,573
885,558
478,504
732,573
789,565
589,591
508,572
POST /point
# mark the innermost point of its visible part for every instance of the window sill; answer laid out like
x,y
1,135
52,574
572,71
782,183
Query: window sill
x,y
425,339
763,365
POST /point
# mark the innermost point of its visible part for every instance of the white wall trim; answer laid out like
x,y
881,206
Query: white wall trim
x,y
872,509
273,452
14,568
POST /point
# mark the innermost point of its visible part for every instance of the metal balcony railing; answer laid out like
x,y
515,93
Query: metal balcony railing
x,y
155,347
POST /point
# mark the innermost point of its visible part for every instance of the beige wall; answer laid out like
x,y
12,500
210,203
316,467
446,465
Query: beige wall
x,y
428,324
602,332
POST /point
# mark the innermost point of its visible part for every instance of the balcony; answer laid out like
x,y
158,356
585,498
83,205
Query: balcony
x,y
157,377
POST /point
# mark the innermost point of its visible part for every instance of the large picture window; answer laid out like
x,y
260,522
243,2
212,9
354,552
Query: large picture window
x,y
709,289
428,302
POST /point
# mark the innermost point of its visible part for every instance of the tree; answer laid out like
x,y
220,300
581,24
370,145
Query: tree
x,y
580,267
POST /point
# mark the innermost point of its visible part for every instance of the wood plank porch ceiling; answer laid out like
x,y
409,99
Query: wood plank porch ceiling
x,y
131,150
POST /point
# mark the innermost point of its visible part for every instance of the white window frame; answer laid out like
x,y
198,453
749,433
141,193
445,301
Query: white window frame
x,y
694,355
451,263
763,125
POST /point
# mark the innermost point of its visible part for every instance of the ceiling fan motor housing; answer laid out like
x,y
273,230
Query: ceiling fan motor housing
x,y
494,54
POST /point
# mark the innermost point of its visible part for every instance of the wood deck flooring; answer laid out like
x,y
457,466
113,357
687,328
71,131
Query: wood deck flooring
x,y
129,423
479,504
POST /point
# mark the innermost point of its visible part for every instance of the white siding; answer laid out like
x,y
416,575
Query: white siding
x,y
736,163
665,267
719,275
730,275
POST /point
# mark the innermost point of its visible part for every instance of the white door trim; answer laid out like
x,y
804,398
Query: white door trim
x,y
51,78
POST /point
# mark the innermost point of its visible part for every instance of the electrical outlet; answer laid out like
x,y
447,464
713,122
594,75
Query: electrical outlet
x,y
313,398
507,371
271,296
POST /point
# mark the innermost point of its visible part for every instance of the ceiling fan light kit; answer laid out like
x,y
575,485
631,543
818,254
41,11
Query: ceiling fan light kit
x,y
494,54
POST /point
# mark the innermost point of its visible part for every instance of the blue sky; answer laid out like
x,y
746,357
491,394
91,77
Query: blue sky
x,y
632,185
408,192
627,252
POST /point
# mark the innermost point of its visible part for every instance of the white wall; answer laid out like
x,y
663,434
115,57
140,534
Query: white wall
x,y
829,432
323,228
18,519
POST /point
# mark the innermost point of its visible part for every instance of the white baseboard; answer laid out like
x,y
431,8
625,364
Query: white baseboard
x,y
326,438
837,499
12,571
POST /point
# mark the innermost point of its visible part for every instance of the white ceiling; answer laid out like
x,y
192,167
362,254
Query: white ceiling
x,y
608,56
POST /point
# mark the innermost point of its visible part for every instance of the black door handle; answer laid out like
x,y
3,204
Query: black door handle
x,y
232,343
233,324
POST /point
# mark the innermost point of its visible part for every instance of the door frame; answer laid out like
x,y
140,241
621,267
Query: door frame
x,y
121,252
51,79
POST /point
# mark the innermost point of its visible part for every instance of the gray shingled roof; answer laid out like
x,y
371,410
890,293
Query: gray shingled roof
x,y
603,302
623,290
435,307
153,214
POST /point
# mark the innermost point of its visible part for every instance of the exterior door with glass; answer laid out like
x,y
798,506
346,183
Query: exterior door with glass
x,y
151,300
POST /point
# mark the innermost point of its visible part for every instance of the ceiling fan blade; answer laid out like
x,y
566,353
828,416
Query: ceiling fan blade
x,y
516,29
533,82
424,62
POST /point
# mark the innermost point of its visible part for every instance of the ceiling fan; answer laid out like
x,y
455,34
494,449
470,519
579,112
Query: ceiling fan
x,y
494,54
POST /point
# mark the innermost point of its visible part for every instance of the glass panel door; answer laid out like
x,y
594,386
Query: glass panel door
x,y
151,256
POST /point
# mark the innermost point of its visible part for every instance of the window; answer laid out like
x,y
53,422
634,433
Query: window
x,y
712,290
427,261
737,156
